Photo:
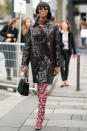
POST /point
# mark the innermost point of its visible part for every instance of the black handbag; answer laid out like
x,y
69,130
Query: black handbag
x,y
2,38
23,86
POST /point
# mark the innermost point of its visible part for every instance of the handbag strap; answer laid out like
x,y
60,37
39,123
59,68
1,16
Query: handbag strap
x,y
25,76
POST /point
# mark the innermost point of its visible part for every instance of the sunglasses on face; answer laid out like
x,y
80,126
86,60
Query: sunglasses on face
x,y
41,8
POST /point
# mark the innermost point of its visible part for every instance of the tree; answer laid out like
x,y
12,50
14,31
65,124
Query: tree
x,y
2,9
8,6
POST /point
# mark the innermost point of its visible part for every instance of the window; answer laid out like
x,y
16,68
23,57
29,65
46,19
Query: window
x,y
28,1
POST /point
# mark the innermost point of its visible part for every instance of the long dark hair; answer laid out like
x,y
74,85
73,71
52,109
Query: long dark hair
x,y
44,4
24,28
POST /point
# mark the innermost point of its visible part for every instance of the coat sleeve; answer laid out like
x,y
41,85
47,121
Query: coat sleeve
x,y
26,51
57,44
73,44
4,31
16,34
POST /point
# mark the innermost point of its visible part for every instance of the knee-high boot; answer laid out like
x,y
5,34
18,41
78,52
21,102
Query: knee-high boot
x,y
42,96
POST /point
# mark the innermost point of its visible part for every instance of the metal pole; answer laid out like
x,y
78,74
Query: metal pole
x,y
18,50
20,28
19,40
20,16
78,72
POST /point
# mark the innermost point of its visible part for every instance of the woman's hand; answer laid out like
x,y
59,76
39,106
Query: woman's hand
x,y
14,39
8,40
10,35
56,70
74,56
25,69
65,44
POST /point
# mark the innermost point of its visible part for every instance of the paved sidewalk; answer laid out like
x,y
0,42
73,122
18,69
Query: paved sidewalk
x,y
71,90
66,108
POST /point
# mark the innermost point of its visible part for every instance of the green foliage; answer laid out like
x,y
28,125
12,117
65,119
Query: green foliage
x,y
6,8
2,10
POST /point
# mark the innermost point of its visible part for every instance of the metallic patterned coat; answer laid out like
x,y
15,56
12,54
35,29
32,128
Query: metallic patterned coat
x,y
42,49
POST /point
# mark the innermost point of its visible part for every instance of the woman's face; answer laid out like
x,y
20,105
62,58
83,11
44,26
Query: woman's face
x,y
64,26
17,23
43,12
28,23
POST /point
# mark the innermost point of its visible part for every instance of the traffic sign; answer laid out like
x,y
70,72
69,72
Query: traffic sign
x,y
20,6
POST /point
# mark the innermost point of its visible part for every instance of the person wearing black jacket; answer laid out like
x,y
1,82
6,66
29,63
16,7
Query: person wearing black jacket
x,y
67,48
25,26
24,30
10,33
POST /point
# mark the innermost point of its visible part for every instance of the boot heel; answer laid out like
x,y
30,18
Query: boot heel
x,y
38,127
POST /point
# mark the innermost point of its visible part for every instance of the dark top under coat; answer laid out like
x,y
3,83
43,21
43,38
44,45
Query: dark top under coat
x,y
72,48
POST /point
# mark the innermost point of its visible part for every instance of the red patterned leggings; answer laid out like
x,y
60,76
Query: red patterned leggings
x,y
42,96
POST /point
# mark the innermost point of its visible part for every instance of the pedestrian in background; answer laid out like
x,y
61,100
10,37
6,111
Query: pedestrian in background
x,y
25,26
53,19
83,25
42,48
58,24
67,46
11,33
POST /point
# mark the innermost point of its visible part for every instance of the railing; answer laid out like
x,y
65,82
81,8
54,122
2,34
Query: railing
x,y
11,69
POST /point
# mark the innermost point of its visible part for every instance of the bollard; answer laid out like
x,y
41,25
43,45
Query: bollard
x,y
78,72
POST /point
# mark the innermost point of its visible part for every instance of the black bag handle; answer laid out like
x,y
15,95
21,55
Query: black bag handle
x,y
25,76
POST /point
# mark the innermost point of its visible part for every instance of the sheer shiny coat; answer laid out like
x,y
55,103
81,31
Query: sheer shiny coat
x,y
42,48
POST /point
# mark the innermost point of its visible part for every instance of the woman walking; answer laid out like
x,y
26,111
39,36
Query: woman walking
x,y
67,47
42,48
83,26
